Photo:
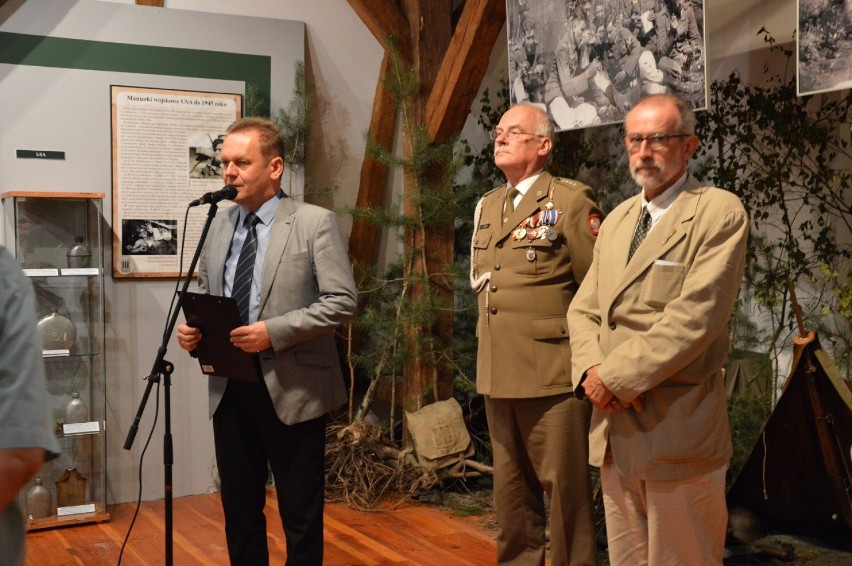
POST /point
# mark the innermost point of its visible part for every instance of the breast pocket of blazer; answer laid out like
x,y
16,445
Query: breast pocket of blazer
x,y
298,256
295,267
664,283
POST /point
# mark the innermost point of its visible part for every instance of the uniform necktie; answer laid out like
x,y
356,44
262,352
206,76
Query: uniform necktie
x,y
642,229
245,268
510,202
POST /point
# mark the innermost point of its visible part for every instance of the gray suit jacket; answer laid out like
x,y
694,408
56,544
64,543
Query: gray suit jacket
x,y
657,328
307,290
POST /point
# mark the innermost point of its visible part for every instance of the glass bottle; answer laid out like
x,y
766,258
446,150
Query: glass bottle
x,y
76,410
39,501
79,254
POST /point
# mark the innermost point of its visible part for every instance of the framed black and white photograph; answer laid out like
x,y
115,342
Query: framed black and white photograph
x,y
824,46
149,237
587,62
166,152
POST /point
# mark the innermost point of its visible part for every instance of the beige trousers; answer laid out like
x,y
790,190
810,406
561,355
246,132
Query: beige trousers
x,y
661,523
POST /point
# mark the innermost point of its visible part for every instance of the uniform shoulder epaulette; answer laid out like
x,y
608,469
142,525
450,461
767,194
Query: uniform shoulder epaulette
x,y
569,182
494,190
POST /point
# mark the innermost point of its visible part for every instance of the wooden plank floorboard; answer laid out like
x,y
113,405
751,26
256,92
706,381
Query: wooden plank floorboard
x,y
412,535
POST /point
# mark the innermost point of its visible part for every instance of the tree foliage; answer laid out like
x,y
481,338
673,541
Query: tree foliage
x,y
787,158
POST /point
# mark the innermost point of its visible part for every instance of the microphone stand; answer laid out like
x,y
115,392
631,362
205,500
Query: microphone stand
x,y
164,368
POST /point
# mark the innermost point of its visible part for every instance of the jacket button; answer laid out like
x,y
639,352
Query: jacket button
x,y
562,331
497,267
494,288
493,310
612,326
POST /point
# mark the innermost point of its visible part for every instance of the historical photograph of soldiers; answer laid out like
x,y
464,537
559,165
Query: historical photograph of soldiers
x,y
824,39
586,62
149,237
205,160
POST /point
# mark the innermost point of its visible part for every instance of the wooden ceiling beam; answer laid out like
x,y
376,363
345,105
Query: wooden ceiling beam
x,y
463,67
384,18
364,239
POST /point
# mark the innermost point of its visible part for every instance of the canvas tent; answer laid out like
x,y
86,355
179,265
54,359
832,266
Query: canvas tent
x,y
800,469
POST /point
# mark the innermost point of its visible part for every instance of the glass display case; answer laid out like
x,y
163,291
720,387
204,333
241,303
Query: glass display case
x,y
57,239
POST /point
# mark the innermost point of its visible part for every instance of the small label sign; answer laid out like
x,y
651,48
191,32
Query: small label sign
x,y
39,154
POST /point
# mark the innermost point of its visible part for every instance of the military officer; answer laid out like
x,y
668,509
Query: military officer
x,y
532,244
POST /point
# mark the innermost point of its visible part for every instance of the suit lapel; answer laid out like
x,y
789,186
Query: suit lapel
x,y
282,227
670,230
220,242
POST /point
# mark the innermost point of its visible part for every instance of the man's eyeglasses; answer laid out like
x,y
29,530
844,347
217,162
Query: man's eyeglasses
x,y
656,142
511,135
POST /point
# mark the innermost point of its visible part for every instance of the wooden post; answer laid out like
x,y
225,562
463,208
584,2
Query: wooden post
x,y
426,381
450,66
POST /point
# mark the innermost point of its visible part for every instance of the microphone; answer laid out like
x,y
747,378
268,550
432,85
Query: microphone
x,y
228,192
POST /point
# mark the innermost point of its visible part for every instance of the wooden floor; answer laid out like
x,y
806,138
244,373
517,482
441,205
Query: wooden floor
x,y
412,534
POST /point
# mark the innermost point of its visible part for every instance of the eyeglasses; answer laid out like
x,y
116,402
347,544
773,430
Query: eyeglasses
x,y
511,135
656,142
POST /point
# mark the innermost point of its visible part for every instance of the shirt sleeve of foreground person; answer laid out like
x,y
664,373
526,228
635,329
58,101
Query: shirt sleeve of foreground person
x,y
26,435
299,289
529,254
648,335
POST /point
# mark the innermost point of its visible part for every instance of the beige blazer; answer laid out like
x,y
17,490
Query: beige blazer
x,y
306,292
657,327
523,346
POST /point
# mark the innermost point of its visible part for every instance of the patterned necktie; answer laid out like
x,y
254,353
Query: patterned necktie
x,y
241,291
641,231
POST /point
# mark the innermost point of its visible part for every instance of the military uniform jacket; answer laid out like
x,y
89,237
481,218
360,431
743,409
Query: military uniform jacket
x,y
524,348
657,327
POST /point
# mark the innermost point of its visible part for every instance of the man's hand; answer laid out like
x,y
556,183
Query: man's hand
x,y
597,392
252,338
17,467
188,337
602,398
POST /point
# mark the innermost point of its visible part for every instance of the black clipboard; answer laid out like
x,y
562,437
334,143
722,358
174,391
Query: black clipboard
x,y
216,316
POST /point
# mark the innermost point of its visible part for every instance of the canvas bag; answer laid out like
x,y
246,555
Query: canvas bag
x,y
439,435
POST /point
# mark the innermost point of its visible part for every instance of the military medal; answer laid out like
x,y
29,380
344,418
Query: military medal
x,y
538,227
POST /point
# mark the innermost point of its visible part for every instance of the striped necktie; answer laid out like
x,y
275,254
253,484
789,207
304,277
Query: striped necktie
x,y
241,291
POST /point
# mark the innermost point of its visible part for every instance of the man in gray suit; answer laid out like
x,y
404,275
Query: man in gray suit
x,y
648,338
301,289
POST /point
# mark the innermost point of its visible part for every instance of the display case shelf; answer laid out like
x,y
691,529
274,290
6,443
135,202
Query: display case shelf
x,y
58,240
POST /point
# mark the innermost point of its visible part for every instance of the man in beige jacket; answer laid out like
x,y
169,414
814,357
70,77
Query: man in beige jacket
x,y
648,337
532,245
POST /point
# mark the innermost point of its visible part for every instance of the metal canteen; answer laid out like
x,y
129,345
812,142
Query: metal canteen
x,y
79,254
56,332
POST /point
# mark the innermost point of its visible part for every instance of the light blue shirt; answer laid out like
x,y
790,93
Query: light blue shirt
x,y
266,214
